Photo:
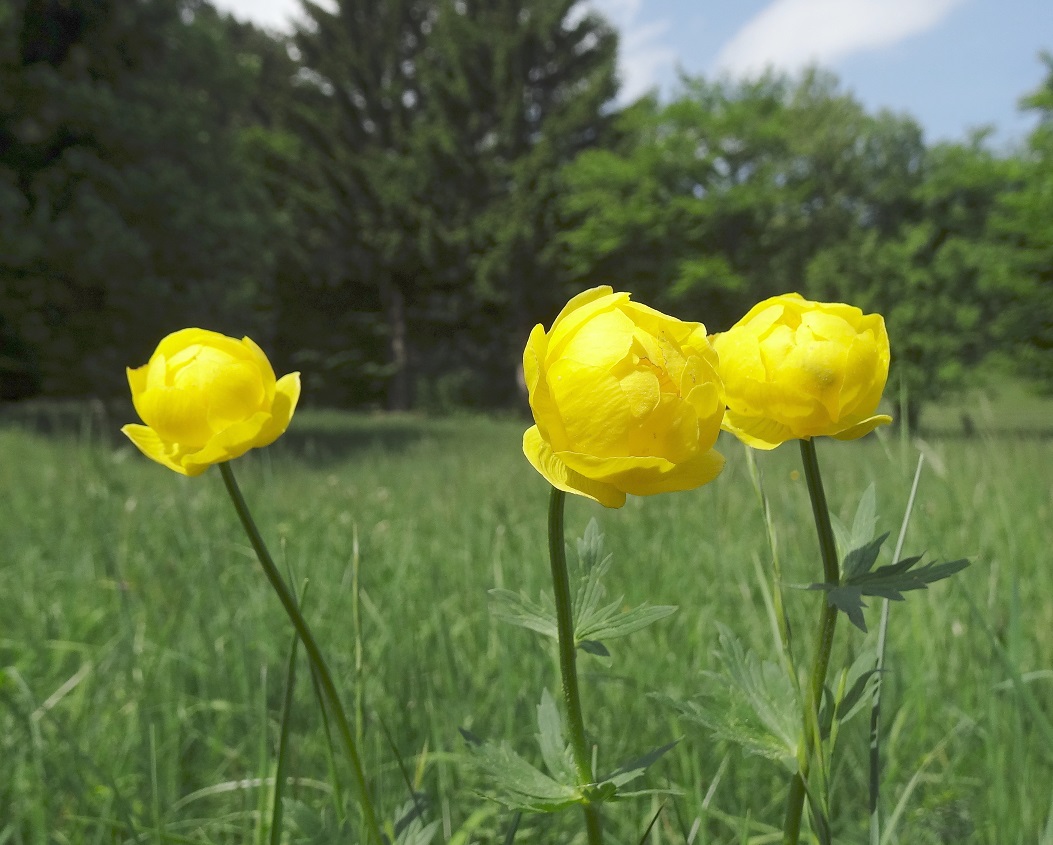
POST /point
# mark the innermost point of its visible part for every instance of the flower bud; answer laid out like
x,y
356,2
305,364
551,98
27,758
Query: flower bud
x,y
207,398
625,400
794,369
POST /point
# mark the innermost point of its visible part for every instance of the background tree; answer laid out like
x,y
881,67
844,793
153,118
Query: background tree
x,y
128,205
725,195
1022,222
437,128
938,278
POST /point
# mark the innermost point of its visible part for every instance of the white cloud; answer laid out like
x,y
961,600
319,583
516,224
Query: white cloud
x,y
789,34
271,14
642,53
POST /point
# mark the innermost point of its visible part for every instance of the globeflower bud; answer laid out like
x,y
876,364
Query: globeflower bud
x,y
207,398
625,400
795,369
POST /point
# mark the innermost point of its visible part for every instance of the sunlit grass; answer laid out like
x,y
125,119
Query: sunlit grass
x,y
146,652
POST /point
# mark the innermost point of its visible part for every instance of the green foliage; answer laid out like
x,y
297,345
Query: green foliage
x,y
889,581
750,702
1022,225
135,611
594,622
723,196
434,131
518,785
119,122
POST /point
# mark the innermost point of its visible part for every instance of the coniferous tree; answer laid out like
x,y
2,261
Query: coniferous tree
x,y
437,129
129,204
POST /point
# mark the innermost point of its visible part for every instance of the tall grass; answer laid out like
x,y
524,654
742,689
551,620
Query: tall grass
x,y
144,655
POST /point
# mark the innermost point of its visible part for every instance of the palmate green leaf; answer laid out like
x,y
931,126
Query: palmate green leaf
x,y
751,703
555,750
608,623
630,771
890,582
516,783
594,621
861,560
590,546
863,525
517,609
859,679
519,785
410,828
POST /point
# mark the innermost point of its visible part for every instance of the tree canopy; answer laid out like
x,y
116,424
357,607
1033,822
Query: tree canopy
x,y
390,197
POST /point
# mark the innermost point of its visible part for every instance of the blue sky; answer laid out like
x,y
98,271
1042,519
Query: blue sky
x,y
954,65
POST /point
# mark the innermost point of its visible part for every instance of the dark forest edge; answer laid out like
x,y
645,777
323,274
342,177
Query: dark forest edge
x,y
390,215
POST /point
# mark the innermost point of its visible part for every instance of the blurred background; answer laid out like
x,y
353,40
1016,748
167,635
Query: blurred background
x,y
388,194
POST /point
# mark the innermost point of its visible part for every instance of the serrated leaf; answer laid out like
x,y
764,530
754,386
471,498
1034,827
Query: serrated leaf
x,y
849,600
594,647
409,824
751,703
517,609
610,622
554,749
861,559
590,546
865,521
889,582
590,590
857,680
631,770
853,700
516,783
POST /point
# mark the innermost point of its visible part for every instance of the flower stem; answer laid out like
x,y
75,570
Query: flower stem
x,y
567,659
321,670
824,643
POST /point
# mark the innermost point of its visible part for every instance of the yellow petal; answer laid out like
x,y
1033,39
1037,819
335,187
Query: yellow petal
x,y
862,428
232,442
592,406
581,300
177,342
286,395
569,321
148,442
646,476
604,341
687,475
178,416
560,476
533,356
232,392
262,364
757,432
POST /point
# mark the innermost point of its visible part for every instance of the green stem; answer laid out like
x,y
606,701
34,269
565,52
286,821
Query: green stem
x,y
824,642
310,645
567,658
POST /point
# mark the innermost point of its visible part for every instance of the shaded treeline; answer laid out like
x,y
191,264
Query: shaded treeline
x,y
389,198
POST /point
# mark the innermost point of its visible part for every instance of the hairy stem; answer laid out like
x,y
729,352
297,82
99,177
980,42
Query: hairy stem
x,y
824,643
568,659
314,653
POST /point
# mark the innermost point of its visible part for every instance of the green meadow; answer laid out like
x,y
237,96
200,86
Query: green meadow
x,y
144,656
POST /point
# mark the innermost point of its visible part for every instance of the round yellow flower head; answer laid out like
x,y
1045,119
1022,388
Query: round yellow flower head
x,y
795,369
626,400
207,398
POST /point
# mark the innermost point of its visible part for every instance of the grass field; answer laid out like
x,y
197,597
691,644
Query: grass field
x,y
144,654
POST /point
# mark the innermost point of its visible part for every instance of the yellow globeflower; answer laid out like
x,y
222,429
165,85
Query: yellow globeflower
x,y
207,398
794,369
626,400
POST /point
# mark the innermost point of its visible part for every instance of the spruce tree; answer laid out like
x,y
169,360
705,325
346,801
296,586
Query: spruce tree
x,y
437,129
